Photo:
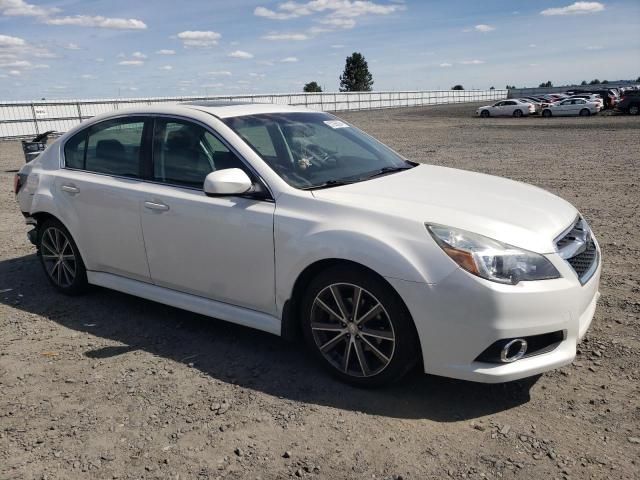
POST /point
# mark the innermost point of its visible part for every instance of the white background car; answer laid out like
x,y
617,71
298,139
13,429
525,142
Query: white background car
x,y
571,107
591,97
507,108
285,220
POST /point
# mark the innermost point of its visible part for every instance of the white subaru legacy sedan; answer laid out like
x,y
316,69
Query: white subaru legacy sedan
x,y
295,222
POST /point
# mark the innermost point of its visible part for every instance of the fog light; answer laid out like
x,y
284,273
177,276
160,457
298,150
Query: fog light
x,y
513,350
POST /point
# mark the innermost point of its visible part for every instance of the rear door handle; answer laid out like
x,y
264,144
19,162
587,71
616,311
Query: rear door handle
x,y
70,189
160,207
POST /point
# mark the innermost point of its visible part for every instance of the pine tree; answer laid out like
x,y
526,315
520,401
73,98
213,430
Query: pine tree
x,y
356,76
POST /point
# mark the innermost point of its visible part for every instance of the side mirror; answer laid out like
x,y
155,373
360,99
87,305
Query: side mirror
x,y
230,181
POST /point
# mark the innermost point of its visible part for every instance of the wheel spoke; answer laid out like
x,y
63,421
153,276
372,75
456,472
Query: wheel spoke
x,y
347,355
364,366
339,302
357,293
49,257
59,274
381,334
67,267
329,310
49,247
64,245
375,351
327,327
330,345
52,241
370,314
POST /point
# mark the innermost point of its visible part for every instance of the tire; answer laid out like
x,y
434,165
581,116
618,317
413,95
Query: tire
x,y
66,273
634,109
585,112
546,113
517,113
336,334
485,114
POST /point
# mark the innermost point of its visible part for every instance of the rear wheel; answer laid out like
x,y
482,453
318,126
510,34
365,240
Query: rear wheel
x,y
634,109
485,114
358,328
546,113
585,112
517,113
61,259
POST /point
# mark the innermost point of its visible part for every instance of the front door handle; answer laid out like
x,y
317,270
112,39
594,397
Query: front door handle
x,y
70,189
160,207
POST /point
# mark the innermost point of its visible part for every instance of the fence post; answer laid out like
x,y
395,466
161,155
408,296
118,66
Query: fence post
x,y
35,119
79,112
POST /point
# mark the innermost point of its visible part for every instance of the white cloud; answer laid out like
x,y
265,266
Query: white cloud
x,y
98,22
166,52
133,63
10,62
446,65
472,62
213,85
220,73
88,76
484,28
139,55
532,45
286,36
71,46
338,22
257,75
337,46
20,8
340,13
289,60
241,54
202,39
8,41
594,47
576,8
166,67
15,73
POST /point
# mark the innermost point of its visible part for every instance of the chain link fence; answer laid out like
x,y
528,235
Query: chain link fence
x,y
25,119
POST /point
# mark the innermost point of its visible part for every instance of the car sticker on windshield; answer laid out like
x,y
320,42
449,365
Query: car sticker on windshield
x,y
336,124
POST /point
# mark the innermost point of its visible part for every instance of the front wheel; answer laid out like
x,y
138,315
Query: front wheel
x,y
358,328
585,112
61,259
634,109
485,114
546,113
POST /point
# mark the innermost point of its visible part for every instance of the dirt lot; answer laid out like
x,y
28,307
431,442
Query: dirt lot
x,y
111,386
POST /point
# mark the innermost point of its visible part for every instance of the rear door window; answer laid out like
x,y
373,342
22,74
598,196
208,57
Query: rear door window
x,y
114,147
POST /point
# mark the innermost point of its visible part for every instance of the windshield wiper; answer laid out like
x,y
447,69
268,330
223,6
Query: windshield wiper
x,y
327,184
384,171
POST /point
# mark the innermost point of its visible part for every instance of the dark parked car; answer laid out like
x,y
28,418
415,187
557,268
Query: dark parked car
x,y
629,102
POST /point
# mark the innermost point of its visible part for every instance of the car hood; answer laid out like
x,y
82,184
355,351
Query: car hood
x,y
512,212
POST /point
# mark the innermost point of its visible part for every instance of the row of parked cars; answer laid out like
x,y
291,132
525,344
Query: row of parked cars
x,y
575,102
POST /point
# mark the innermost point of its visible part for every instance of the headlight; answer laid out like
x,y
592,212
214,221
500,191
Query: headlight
x,y
490,259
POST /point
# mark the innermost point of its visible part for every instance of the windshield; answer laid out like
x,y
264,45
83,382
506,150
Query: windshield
x,y
315,150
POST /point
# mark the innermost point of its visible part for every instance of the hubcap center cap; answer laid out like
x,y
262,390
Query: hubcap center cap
x,y
352,328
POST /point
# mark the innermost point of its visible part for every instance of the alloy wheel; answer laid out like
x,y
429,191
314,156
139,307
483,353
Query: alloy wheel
x,y
352,330
58,257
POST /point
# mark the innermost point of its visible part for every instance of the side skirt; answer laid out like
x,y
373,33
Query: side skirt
x,y
185,301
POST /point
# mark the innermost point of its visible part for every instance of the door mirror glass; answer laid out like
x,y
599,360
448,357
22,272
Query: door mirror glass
x,y
230,181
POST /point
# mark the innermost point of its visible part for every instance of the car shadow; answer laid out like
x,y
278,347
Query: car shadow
x,y
239,355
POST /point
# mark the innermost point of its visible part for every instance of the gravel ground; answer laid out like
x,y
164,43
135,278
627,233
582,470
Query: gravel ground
x,y
111,386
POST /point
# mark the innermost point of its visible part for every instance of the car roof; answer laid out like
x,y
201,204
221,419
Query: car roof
x,y
226,109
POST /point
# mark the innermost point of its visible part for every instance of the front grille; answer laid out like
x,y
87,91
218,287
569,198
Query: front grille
x,y
578,248
582,262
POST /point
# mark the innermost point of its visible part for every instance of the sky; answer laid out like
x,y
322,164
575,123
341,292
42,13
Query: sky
x,y
127,48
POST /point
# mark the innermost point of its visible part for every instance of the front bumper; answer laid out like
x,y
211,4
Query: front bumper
x,y
460,317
